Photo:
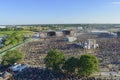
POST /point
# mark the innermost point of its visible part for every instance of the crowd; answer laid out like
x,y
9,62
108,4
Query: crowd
x,y
36,51
108,53
108,49
43,74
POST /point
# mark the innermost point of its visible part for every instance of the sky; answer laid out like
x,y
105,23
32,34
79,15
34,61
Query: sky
x,y
59,11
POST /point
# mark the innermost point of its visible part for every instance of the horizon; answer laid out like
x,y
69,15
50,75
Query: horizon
x,y
59,24
59,12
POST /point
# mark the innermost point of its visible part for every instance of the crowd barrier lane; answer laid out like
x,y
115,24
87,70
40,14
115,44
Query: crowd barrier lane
x,y
14,47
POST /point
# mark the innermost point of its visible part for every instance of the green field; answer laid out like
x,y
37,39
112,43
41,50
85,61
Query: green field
x,y
114,29
23,32
2,33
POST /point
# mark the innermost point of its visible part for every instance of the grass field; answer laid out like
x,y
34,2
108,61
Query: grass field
x,y
114,29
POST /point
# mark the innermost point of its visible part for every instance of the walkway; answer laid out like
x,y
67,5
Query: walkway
x,y
14,47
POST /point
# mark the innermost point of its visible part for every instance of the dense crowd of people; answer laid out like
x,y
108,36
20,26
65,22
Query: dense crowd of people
x,y
36,51
108,53
43,74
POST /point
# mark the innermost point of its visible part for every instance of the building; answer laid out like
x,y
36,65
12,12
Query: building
x,y
68,32
70,39
51,33
59,33
103,33
36,35
98,32
43,35
107,35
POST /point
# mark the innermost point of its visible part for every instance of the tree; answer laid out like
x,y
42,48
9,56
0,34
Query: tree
x,y
7,41
14,39
0,59
12,57
54,60
70,65
88,64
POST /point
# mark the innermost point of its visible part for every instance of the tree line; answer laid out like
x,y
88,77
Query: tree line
x,y
11,29
13,39
86,65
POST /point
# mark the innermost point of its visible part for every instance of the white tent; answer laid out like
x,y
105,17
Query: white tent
x,y
71,39
19,67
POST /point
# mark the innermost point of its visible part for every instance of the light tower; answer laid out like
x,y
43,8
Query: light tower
x,y
91,43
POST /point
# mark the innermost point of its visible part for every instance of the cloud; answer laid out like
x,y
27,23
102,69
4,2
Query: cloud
x,y
116,3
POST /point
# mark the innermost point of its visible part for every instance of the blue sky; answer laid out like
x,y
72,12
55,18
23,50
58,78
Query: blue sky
x,y
59,11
